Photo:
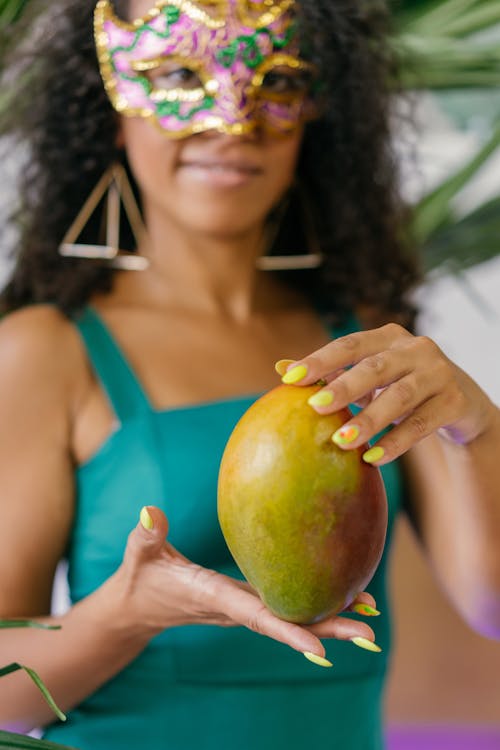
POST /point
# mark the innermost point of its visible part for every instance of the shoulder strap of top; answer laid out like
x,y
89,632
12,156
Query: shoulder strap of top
x,y
117,378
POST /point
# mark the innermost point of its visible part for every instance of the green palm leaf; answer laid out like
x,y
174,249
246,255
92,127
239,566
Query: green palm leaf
x,y
434,210
15,667
448,17
11,10
27,624
7,739
432,62
12,741
439,46
463,243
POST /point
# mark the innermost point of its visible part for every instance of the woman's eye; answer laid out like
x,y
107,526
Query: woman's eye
x,y
285,83
179,78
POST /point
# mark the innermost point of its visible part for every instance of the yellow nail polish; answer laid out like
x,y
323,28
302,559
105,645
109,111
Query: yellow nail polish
x,y
317,659
373,454
346,434
321,398
282,365
146,519
365,609
294,375
366,644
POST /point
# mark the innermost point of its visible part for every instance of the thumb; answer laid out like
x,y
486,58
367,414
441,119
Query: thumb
x,y
153,520
147,539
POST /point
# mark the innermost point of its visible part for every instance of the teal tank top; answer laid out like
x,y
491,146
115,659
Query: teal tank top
x,y
201,687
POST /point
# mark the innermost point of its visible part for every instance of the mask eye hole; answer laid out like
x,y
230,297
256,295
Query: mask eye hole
x,y
286,81
170,76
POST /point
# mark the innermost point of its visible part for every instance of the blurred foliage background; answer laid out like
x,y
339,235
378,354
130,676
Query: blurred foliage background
x,y
452,49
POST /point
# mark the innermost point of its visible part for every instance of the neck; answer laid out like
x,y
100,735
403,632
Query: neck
x,y
212,274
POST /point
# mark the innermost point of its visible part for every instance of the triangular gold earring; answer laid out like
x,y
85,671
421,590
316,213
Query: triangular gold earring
x,y
115,183
313,258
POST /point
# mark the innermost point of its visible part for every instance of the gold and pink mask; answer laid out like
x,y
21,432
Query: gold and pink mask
x,y
225,65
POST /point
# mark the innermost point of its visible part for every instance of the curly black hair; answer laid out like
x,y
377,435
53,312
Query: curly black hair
x,y
61,112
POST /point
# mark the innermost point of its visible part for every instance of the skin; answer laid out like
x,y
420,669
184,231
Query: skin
x,y
222,339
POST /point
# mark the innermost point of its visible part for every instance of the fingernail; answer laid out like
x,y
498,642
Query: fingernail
x,y
346,434
366,644
321,398
373,454
365,609
294,375
146,519
317,659
282,365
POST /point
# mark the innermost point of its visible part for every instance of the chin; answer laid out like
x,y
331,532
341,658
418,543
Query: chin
x,y
223,230
223,221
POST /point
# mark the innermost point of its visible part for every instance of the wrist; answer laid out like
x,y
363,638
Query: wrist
x,y
485,433
108,613
484,425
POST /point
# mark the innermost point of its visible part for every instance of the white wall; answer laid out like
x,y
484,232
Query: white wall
x,y
462,314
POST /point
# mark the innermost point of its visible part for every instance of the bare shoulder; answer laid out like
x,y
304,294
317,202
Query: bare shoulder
x,y
39,351
39,344
43,372
34,329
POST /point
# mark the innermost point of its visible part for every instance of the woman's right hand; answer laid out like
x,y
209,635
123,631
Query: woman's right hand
x,y
157,588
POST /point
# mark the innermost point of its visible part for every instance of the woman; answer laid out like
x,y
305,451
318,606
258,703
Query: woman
x,y
122,386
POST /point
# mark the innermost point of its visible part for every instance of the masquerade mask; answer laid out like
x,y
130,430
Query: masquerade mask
x,y
226,65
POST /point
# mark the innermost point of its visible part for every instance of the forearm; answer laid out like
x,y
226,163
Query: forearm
x,y
457,506
474,470
93,645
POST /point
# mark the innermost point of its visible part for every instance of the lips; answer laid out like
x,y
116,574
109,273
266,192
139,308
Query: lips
x,y
219,173
222,166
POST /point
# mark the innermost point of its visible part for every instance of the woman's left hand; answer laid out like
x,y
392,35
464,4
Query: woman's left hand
x,y
398,379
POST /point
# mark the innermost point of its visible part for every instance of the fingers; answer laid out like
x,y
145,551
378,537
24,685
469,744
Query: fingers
x,y
342,629
355,631
364,604
215,598
372,374
416,424
364,598
343,352
397,379
400,398
152,519
148,538
245,608
415,427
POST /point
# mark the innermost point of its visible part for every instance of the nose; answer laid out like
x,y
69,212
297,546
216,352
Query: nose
x,y
250,136
236,104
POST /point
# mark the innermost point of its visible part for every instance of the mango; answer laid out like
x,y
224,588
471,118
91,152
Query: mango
x,y
304,520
